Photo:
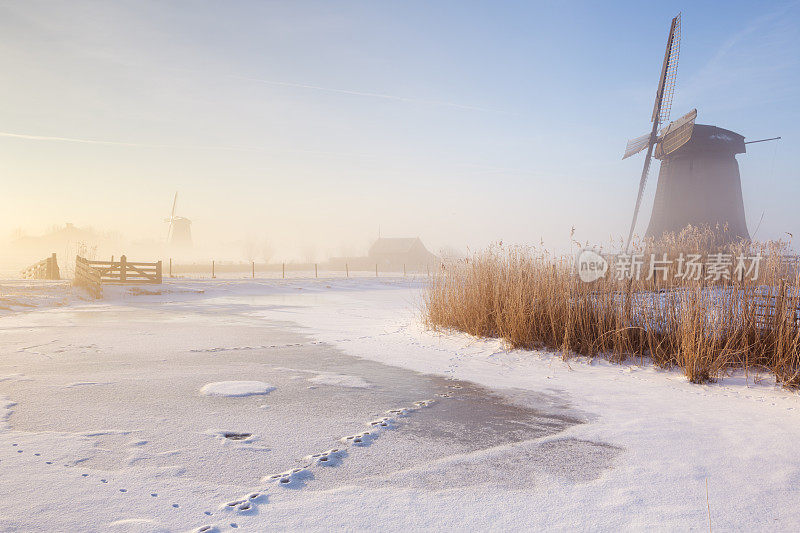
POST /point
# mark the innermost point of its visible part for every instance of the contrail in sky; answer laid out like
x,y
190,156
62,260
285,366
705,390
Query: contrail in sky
x,y
478,169
174,146
74,140
351,92
372,95
133,144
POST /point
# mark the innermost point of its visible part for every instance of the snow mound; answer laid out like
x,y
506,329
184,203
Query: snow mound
x,y
138,525
236,388
341,380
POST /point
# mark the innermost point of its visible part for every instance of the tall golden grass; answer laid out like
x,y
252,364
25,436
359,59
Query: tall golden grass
x,y
533,300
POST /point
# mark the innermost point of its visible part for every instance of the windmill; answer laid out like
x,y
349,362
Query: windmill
x,y
698,181
179,233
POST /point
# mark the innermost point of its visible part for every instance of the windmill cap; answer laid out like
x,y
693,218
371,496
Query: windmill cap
x,y
707,138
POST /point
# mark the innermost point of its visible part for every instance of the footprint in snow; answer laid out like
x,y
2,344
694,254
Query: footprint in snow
x,y
330,457
385,422
236,436
293,478
364,438
247,504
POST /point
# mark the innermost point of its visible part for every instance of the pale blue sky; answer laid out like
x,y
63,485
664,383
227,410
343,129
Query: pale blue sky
x,y
314,122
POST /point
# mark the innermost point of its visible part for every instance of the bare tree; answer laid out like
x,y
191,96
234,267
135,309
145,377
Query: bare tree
x,y
267,251
449,254
249,249
309,253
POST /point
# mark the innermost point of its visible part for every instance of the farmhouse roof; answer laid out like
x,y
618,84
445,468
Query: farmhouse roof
x,y
393,245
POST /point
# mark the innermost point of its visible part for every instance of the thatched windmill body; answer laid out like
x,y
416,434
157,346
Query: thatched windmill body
x,y
698,182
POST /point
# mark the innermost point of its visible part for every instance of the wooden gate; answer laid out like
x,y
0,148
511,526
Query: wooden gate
x,y
87,277
124,271
93,274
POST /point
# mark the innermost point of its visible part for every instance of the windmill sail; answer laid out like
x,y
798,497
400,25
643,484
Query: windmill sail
x,y
669,73
676,134
666,87
171,219
174,203
636,145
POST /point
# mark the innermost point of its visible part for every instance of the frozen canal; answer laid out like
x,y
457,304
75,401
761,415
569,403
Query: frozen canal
x,y
320,404
110,419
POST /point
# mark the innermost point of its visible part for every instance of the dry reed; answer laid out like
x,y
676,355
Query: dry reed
x,y
533,300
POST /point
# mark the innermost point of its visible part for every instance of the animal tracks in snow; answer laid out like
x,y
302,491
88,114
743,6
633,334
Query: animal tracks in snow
x,y
296,478
259,347
248,504
218,349
121,491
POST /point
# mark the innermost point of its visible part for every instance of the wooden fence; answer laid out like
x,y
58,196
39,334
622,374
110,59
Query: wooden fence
x,y
214,268
774,305
124,271
87,277
45,269
91,275
769,307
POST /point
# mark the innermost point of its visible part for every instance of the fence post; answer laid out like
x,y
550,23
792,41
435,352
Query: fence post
x,y
52,268
213,273
123,268
254,270
316,272
283,270
346,270
159,277
404,270
170,267
376,270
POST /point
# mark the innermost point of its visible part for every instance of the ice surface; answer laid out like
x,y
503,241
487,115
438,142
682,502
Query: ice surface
x,y
340,380
102,426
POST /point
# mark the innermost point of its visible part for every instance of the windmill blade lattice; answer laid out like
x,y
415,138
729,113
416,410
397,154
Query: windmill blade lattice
x,y
671,72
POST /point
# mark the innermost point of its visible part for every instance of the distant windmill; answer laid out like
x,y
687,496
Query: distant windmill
x,y
179,233
699,181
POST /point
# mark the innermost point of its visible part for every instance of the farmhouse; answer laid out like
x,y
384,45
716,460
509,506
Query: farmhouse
x,y
390,255
396,252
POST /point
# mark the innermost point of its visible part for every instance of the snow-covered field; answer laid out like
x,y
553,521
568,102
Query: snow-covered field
x,y
319,404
